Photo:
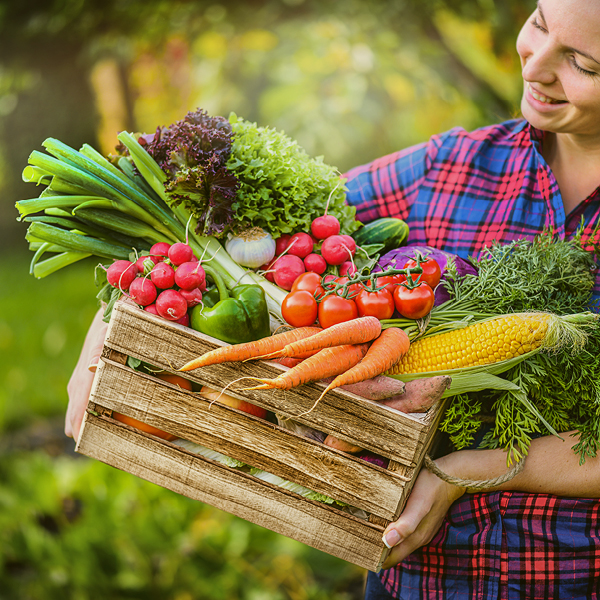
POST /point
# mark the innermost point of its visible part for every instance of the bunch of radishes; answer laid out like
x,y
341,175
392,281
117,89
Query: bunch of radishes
x,y
324,246
166,282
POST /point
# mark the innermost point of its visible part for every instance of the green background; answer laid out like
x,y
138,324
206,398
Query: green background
x,y
350,81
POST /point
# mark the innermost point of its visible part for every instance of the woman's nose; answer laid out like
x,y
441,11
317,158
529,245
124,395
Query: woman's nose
x,y
539,65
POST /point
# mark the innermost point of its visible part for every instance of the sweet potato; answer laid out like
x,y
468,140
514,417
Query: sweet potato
x,y
419,395
378,388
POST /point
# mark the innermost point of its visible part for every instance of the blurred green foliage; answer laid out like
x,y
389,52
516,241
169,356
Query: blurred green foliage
x,y
350,81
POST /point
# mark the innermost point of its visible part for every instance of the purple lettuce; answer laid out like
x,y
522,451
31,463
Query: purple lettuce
x,y
193,153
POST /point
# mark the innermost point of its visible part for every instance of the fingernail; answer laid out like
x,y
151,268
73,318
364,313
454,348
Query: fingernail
x,y
391,538
93,366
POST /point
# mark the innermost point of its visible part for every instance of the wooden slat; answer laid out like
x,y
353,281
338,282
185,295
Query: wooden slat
x,y
312,523
250,439
364,423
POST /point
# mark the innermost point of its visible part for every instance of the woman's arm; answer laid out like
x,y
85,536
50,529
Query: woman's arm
x,y
80,384
551,467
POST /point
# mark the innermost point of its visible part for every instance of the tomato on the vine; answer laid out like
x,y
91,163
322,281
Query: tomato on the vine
x,y
391,282
378,304
309,281
414,302
352,290
431,271
334,309
299,308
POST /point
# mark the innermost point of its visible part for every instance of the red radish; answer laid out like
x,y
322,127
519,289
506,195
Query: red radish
x,y
146,263
179,253
336,249
268,271
185,320
121,273
171,305
329,278
190,275
142,291
151,308
163,275
325,226
315,263
160,250
301,244
347,268
192,297
349,241
286,269
281,243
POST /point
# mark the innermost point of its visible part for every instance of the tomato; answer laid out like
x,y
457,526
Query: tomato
x,y
309,281
299,308
333,309
375,304
352,290
165,376
414,303
431,271
390,281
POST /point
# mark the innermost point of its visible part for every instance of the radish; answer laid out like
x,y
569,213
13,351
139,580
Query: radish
x,y
185,320
163,275
286,269
301,244
179,253
151,308
336,249
349,241
171,305
325,226
315,263
267,271
160,250
192,297
121,273
190,275
281,243
347,268
142,291
146,263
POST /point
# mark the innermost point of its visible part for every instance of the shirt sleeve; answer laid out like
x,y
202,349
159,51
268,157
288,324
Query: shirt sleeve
x,y
388,186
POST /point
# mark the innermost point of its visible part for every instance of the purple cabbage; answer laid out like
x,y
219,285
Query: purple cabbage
x,y
398,257
193,153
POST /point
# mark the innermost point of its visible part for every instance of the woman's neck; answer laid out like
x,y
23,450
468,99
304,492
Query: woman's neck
x,y
575,163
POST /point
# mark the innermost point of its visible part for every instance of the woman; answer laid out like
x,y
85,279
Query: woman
x,y
536,536
459,192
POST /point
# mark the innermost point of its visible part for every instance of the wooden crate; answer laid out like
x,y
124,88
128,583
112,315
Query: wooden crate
x,y
378,492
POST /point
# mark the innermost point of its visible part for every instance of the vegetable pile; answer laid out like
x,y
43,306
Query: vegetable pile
x,y
232,229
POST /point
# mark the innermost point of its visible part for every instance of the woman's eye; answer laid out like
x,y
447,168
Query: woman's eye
x,y
581,69
537,25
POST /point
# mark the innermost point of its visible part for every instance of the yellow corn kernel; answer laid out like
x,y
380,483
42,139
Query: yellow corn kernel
x,y
478,344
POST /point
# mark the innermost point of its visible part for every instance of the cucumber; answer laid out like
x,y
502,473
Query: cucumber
x,y
389,231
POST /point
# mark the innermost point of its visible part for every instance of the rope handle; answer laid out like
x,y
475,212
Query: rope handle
x,y
474,485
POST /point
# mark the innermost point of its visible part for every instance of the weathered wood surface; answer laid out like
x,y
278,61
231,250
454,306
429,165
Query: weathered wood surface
x,y
364,423
250,439
315,524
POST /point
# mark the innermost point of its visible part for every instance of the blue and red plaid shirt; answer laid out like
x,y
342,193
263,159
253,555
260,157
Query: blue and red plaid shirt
x,y
460,192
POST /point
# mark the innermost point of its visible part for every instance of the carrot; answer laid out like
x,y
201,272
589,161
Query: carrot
x,y
288,361
384,352
356,331
327,362
247,350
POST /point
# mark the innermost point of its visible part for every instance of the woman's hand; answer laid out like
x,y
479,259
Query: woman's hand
x,y
422,517
80,384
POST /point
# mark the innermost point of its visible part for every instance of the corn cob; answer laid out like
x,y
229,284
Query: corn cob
x,y
482,343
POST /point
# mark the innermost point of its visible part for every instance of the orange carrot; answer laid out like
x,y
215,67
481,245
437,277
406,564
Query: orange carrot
x,y
384,352
288,362
247,350
326,363
356,331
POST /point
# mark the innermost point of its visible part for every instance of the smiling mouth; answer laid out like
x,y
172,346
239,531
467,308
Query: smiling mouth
x,y
545,99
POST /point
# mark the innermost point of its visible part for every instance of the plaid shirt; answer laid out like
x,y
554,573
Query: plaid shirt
x,y
459,192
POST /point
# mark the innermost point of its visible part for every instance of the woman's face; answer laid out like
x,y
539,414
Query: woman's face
x,y
559,48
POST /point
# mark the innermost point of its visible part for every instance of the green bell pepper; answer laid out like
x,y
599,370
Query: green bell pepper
x,y
240,315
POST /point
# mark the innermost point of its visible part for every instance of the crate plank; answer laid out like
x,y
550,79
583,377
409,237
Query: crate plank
x,y
312,523
250,439
367,424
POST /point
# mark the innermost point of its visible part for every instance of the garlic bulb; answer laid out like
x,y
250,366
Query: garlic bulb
x,y
252,247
